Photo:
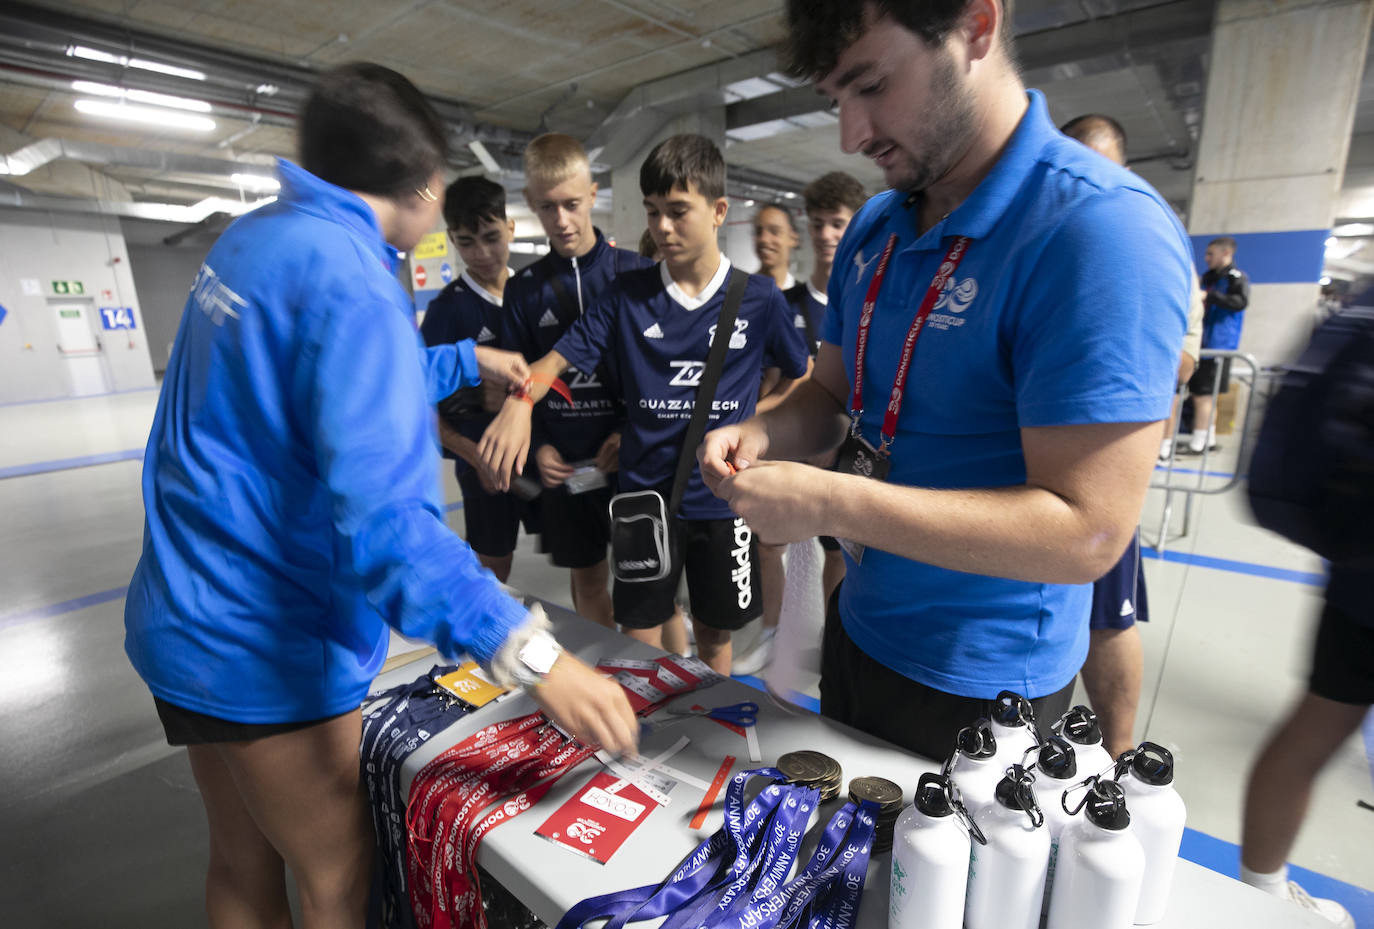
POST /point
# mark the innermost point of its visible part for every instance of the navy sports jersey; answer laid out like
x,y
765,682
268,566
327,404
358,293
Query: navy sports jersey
x,y
659,338
808,312
535,319
464,310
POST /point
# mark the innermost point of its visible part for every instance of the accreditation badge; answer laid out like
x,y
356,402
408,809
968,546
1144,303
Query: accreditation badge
x,y
858,456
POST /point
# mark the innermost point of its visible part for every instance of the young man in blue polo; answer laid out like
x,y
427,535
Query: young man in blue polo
x,y
470,308
656,325
994,450
541,302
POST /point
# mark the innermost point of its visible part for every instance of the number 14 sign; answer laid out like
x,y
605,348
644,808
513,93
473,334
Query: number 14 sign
x,y
117,317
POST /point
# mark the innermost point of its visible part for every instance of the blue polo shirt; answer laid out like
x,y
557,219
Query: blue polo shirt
x,y
464,311
288,485
660,338
1027,333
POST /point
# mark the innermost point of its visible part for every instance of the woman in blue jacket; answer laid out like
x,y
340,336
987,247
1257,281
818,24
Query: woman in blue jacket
x,y
293,511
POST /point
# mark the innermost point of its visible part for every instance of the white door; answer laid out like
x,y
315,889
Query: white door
x,y
80,348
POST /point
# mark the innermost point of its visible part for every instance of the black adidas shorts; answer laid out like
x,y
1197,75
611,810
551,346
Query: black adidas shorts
x,y
1343,658
492,521
721,558
1119,596
577,527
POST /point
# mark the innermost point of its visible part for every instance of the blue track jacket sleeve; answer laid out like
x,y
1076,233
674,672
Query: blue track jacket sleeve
x,y
375,449
448,367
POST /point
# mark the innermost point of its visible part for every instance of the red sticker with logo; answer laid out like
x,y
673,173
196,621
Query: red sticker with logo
x,y
594,822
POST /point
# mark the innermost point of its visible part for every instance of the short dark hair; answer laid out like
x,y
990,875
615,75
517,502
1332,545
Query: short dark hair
x,y
1093,126
471,201
774,205
1225,241
366,128
819,30
832,191
686,161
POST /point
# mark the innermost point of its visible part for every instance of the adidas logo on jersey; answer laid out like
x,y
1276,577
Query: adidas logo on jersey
x,y
654,332
548,319
800,321
1126,608
486,335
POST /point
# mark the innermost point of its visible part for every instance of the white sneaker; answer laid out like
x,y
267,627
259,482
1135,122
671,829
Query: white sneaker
x,y
758,657
1329,910
1166,450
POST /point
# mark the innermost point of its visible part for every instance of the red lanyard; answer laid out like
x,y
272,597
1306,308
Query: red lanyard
x,y
953,257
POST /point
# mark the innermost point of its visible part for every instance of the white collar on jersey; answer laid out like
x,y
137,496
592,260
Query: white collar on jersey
x,y
788,282
479,290
819,296
707,292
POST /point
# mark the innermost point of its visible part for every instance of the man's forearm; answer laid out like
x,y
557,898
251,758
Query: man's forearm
x,y
808,422
1023,532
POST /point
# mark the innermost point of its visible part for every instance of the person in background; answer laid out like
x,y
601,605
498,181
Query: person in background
x,y
647,248
980,498
292,513
657,325
1115,667
1226,293
541,303
831,202
470,308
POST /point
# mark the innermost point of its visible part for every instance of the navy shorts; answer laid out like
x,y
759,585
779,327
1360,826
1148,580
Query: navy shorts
x,y
577,527
187,727
1119,600
1343,658
721,558
492,521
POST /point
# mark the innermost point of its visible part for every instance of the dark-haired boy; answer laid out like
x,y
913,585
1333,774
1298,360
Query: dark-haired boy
x,y
470,308
657,324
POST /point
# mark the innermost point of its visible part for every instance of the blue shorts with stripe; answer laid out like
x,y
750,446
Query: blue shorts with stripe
x,y
1119,600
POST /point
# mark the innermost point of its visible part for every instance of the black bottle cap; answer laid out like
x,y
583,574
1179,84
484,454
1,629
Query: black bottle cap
x,y
1080,726
1106,806
976,741
1010,709
1057,759
932,795
1153,764
1014,790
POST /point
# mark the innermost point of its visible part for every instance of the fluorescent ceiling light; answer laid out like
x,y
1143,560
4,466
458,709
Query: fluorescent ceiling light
x,y
1353,229
141,96
94,54
256,182
143,114
267,90
484,156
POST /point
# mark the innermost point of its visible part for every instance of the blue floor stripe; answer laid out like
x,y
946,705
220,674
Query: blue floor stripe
x,y
109,393
1310,578
1222,474
66,606
1224,857
66,464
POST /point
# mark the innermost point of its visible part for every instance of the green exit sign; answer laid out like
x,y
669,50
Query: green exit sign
x,y
68,288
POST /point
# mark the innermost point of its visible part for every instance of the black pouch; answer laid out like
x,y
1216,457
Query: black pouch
x,y
639,537
463,405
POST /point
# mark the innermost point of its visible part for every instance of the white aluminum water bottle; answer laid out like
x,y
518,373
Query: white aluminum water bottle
x,y
1055,771
1013,726
1079,726
1101,865
930,856
1147,777
1006,882
974,766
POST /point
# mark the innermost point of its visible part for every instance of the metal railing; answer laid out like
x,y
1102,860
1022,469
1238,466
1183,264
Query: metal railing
x,y
1192,482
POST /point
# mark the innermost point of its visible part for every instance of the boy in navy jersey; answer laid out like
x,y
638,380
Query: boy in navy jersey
x,y
541,302
470,308
656,325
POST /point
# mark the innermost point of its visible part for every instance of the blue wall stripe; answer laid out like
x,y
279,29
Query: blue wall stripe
x,y
65,606
1294,257
65,464
1310,578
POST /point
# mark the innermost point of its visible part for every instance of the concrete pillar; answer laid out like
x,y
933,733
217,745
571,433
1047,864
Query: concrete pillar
x,y
1282,84
627,203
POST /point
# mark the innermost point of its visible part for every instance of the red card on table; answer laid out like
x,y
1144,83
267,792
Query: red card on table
x,y
595,823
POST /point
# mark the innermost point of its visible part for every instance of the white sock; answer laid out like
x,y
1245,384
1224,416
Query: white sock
x,y
1166,448
1275,883
1197,441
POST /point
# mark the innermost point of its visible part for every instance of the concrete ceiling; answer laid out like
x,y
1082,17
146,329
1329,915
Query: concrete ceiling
x,y
607,71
